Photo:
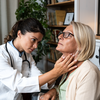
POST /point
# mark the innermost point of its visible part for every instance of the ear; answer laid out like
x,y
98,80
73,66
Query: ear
x,y
19,34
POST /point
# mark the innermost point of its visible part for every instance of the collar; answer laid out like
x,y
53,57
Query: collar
x,y
11,43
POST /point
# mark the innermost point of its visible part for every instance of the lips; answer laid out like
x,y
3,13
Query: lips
x,y
31,50
60,43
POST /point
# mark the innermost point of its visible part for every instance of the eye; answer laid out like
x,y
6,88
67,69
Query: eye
x,y
70,34
33,40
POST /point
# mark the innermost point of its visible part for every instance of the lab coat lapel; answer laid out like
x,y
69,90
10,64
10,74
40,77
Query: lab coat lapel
x,y
16,60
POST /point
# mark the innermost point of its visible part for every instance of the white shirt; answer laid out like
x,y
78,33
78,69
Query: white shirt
x,y
19,78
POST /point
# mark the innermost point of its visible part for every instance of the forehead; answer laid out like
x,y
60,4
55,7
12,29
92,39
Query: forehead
x,y
69,28
36,35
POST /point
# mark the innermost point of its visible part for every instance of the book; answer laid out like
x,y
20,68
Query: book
x,y
48,1
52,38
55,32
60,16
53,1
50,18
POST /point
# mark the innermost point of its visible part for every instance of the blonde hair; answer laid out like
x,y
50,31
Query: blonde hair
x,y
85,39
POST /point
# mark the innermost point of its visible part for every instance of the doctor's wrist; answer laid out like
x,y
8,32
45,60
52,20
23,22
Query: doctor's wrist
x,y
55,73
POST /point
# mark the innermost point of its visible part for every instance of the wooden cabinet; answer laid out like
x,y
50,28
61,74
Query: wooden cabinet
x,y
68,6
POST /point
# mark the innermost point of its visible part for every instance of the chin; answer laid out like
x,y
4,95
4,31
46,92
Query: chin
x,y
28,51
58,49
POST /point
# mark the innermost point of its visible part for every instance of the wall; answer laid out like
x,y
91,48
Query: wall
x,y
12,5
7,17
86,11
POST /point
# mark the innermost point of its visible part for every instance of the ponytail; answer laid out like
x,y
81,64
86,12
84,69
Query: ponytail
x,y
13,32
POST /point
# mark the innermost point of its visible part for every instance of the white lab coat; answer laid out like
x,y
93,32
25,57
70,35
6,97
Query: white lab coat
x,y
14,80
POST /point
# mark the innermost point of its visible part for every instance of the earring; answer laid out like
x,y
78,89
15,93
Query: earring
x,y
77,52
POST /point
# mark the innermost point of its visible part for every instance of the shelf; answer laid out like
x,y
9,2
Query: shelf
x,y
97,37
50,42
61,3
52,61
58,26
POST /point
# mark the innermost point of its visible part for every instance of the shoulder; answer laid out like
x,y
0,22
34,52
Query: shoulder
x,y
88,70
3,50
4,57
88,66
4,54
2,47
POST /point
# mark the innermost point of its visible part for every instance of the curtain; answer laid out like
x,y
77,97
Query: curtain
x,y
7,17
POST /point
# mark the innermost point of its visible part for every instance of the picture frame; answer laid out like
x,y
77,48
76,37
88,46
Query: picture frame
x,y
68,18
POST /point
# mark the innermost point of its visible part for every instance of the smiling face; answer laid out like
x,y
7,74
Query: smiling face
x,y
28,42
67,45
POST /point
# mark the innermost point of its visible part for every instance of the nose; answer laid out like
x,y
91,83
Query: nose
x,y
35,45
60,36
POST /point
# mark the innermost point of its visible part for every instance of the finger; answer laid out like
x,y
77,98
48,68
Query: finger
x,y
53,98
61,59
67,59
72,63
41,98
70,60
72,68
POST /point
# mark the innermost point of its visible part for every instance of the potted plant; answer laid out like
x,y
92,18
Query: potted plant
x,y
31,8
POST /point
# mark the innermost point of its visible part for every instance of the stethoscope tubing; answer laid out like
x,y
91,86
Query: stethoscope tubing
x,y
11,59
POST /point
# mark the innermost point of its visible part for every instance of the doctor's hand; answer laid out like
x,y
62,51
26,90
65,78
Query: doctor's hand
x,y
62,66
50,95
65,64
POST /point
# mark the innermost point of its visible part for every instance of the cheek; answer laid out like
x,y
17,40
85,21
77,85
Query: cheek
x,y
71,47
68,47
26,43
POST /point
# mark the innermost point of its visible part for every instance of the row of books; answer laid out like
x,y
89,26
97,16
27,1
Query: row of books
x,y
54,35
52,1
56,1
53,54
57,17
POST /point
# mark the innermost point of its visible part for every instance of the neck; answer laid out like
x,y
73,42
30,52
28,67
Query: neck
x,y
16,43
75,57
77,64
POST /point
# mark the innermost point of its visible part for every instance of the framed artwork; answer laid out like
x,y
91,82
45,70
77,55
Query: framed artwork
x,y
68,18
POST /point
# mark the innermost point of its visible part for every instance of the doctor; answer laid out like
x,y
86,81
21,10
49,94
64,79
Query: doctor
x,y
18,71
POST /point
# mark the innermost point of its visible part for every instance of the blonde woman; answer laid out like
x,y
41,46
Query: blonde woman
x,y
82,83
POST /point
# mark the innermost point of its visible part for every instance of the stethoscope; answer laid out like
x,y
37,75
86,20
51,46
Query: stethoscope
x,y
11,59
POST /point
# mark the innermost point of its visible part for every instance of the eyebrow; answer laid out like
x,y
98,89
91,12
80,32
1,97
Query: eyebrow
x,y
35,37
69,31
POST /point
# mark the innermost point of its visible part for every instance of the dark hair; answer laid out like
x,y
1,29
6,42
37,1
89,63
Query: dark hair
x,y
26,25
